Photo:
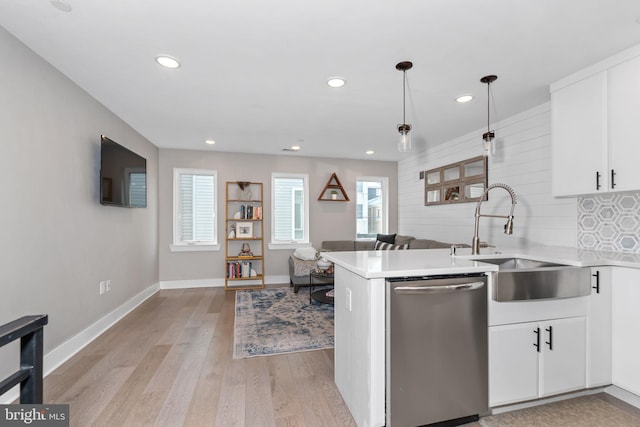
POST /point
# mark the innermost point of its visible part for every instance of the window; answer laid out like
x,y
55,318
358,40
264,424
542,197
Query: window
x,y
371,207
194,210
290,208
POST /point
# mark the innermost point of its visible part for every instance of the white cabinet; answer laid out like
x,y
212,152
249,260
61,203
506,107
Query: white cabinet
x,y
595,129
599,329
536,359
624,128
513,363
626,329
579,134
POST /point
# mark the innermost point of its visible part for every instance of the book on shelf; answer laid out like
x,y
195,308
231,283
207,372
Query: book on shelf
x,y
238,270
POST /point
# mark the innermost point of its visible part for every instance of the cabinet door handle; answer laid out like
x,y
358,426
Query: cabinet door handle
x,y
613,179
597,286
598,180
537,343
550,342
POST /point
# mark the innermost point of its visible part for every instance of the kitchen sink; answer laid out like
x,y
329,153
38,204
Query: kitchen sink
x,y
521,279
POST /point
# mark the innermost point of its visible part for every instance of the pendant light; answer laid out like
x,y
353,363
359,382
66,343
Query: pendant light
x,y
489,135
404,143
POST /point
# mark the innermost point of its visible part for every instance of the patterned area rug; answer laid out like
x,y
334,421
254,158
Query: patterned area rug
x,y
585,411
274,321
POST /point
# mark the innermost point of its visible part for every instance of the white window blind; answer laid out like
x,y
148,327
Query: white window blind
x,y
195,207
290,208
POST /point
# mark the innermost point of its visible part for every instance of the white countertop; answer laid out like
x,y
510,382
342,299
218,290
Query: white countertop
x,y
427,262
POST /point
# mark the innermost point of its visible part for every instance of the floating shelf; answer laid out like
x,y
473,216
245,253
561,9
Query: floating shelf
x,y
333,185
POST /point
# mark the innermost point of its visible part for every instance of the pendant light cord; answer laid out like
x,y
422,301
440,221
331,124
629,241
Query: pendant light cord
x,y
404,94
488,107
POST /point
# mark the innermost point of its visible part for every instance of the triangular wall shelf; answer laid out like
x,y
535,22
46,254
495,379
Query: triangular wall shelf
x,y
333,191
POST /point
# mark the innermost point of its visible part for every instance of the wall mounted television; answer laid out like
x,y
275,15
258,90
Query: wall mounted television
x,y
123,176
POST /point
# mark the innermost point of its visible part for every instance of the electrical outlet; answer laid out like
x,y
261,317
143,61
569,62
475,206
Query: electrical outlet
x,y
347,300
102,287
107,285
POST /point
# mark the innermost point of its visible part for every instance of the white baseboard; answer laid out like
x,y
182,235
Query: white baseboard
x,y
69,348
624,395
214,283
193,283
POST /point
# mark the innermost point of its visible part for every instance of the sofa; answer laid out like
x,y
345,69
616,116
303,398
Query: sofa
x,y
358,245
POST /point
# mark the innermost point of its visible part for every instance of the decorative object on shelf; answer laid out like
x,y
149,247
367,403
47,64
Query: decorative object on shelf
x,y
333,187
244,230
245,191
404,143
323,264
245,251
232,232
489,135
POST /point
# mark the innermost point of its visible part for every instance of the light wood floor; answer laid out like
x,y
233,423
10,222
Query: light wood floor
x,y
169,363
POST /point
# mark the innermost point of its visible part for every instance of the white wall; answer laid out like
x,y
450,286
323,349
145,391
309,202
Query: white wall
x,y
58,242
522,161
328,220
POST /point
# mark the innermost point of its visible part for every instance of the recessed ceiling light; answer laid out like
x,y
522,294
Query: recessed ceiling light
x,y
369,152
336,81
61,5
209,141
167,61
292,148
464,98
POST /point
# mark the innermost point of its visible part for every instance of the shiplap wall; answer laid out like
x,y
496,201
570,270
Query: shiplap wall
x,y
522,160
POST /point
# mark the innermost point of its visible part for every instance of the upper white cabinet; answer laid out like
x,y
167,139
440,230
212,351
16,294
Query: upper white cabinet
x,y
579,134
624,125
595,128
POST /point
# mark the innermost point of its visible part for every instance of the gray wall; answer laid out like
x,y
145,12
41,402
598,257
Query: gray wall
x,y
328,220
58,242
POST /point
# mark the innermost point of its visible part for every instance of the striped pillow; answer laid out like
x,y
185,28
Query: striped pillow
x,y
384,246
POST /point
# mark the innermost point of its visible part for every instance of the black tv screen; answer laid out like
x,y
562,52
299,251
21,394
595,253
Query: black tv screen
x,y
123,176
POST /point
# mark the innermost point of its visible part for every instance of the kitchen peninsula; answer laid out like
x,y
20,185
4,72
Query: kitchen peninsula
x,y
360,361
606,346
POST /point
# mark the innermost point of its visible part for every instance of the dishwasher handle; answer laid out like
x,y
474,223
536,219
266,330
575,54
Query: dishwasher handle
x,y
413,290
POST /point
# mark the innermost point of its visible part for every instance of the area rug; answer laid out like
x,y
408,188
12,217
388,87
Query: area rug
x,y
277,320
585,411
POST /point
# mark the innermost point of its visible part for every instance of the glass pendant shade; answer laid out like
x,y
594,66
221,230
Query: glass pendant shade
x,y
404,143
488,137
488,144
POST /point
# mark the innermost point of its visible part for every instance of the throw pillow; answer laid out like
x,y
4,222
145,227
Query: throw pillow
x,y
384,246
308,253
387,238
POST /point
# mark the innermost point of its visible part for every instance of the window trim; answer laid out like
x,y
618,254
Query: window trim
x,y
177,245
384,188
292,244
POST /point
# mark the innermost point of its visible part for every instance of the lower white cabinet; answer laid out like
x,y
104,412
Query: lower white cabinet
x,y
626,329
599,328
536,359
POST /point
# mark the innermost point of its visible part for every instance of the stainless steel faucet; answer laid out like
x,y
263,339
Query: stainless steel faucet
x,y
508,227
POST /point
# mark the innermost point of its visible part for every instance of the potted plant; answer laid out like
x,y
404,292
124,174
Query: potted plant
x,y
334,195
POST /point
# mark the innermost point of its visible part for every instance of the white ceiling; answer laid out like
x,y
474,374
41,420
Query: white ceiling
x,y
254,72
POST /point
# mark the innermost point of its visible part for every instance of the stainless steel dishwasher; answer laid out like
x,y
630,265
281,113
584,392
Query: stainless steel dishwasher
x,y
436,350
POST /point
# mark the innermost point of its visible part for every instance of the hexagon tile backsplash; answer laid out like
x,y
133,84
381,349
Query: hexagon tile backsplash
x,y
609,222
